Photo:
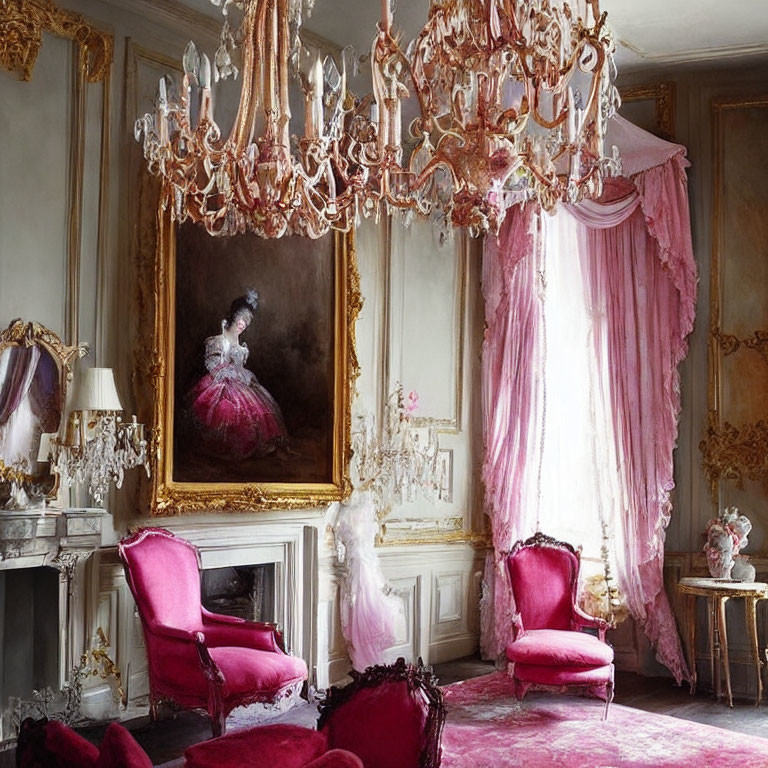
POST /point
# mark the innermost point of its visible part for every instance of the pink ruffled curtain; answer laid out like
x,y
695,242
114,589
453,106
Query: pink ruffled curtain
x,y
641,285
511,406
641,288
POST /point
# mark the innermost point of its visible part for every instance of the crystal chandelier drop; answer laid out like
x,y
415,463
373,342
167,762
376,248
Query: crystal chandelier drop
x,y
395,460
502,101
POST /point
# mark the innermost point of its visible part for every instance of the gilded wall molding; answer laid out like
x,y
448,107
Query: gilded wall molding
x,y
476,540
22,23
730,343
450,423
729,452
735,453
663,95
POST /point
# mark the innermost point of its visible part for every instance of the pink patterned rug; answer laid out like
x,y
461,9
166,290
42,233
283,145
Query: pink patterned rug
x,y
487,728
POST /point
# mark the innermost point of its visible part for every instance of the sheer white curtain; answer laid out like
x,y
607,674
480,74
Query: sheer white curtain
x,y
579,479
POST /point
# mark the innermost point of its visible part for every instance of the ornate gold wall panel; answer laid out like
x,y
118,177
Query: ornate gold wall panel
x,y
735,453
730,343
22,23
735,445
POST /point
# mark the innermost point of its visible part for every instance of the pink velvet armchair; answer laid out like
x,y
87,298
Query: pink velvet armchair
x,y
549,648
197,659
387,717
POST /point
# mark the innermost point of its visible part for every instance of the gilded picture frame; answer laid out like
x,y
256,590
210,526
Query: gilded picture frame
x,y
652,107
173,489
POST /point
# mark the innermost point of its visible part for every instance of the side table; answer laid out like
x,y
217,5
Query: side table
x,y
718,592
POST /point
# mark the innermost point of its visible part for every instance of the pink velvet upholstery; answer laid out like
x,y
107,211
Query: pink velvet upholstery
x,y
590,677
543,580
51,744
336,758
560,647
120,750
199,659
387,717
269,746
548,647
366,723
287,746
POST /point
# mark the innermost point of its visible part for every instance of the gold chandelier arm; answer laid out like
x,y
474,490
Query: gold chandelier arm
x,y
283,53
267,43
249,98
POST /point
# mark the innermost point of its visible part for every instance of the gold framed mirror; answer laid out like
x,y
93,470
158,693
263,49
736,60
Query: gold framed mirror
x,y
35,369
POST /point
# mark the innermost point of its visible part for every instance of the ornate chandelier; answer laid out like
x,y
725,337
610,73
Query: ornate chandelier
x,y
505,100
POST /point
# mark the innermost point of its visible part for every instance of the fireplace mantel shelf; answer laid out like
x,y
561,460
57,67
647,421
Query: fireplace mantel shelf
x,y
54,537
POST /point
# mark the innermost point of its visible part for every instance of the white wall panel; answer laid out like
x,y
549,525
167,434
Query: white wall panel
x,y
34,188
427,319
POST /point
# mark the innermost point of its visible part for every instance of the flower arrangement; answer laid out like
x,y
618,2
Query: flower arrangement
x,y
604,600
725,536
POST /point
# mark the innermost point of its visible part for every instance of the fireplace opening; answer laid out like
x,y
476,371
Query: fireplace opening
x,y
29,632
245,591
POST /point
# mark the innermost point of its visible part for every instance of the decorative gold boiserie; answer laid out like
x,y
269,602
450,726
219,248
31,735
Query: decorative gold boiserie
x,y
735,444
511,101
735,453
22,23
729,343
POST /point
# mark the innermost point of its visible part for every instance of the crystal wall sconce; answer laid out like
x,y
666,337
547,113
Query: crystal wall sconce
x,y
98,445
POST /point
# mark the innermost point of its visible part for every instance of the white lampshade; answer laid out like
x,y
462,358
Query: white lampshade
x,y
44,451
96,391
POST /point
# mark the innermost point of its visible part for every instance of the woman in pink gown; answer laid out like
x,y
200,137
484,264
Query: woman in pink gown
x,y
235,416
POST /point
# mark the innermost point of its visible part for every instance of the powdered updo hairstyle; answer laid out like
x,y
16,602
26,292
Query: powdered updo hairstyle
x,y
240,305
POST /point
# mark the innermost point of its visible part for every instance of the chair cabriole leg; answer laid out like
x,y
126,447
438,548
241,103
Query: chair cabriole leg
x,y
608,698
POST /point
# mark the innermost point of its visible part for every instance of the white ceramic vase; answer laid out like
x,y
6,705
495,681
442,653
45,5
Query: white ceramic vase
x,y
719,552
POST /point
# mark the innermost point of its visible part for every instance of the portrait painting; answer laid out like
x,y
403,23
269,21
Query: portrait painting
x,y
256,338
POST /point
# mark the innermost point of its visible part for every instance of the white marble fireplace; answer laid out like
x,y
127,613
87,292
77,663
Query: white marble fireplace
x,y
42,582
289,547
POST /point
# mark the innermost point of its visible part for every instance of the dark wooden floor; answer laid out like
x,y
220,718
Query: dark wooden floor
x,y
167,740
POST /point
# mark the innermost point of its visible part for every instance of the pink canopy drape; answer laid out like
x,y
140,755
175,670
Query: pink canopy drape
x,y
640,283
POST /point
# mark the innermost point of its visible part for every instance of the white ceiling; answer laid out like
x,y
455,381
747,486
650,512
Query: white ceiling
x,y
650,33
